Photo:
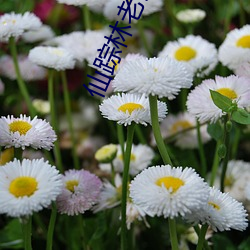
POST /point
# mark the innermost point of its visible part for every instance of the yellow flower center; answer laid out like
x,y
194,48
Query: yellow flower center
x,y
70,185
130,107
229,181
57,52
13,21
227,92
116,66
170,182
180,125
132,157
185,53
214,205
20,126
23,186
244,42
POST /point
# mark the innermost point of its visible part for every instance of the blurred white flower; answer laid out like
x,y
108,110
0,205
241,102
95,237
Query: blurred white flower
x,y
191,15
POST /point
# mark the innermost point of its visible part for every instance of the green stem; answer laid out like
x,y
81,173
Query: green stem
x,y
27,229
205,244
82,226
156,130
236,142
215,164
202,237
173,235
143,37
86,17
226,158
112,173
69,118
52,222
242,13
18,153
140,135
124,234
54,120
120,136
21,84
203,170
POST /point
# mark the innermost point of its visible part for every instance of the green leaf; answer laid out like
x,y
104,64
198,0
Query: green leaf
x,y
215,130
222,102
241,116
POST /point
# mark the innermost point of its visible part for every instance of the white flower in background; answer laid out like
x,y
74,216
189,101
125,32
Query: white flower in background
x,y
81,2
26,132
243,69
235,49
236,179
106,154
221,212
156,76
28,69
14,25
247,191
128,108
110,195
42,34
110,9
169,192
141,157
200,103
28,186
191,15
51,57
42,106
198,54
177,124
83,45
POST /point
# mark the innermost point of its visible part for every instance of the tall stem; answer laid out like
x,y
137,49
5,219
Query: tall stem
x,y
21,84
120,136
215,164
53,119
127,155
202,237
26,228
51,227
173,235
203,170
226,158
86,17
69,118
156,130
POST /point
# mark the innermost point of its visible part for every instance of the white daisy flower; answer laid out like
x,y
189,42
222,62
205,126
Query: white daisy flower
x,y
14,25
51,57
157,76
174,124
235,49
221,212
81,44
191,15
236,179
29,70
243,69
141,157
26,132
110,9
169,192
197,53
42,106
110,195
28,186
247,191
81,2
200,103
128,108
42,34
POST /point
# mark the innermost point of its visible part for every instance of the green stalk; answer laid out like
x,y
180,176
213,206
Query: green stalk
x,y
27,229
226,158
203,169
66,96
236,142
52,222
120,136
18,153
156,130
124,232
140,135
21,84
54,120
202,235
86,17
112,173
215,164
173,235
